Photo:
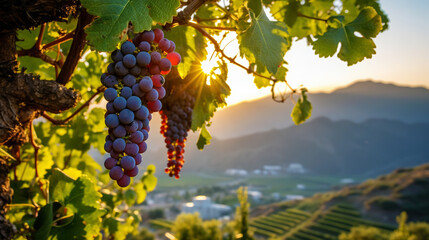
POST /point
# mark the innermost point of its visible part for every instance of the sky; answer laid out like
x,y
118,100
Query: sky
x,y
402,58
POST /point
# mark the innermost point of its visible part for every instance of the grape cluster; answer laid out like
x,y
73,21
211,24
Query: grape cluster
x,y
176,121
134,85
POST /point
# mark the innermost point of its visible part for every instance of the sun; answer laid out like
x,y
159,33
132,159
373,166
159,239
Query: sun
x,y
208,65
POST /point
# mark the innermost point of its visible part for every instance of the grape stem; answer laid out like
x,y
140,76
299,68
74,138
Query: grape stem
x,y
36,148
310,17
63,39
69,118
248,69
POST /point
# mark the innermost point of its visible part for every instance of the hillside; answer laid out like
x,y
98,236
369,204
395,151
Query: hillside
x,y
375,203
322,146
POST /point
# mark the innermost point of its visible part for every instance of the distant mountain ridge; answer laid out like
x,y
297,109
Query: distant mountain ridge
x,y
357,102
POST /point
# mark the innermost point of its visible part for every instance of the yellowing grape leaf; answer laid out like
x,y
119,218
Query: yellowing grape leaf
x,y
114,16
353,48
302,109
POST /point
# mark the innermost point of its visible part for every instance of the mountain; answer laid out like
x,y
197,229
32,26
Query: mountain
x,y
357,102
322,146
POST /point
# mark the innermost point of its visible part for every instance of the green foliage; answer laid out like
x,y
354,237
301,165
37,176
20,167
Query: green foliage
x,y
302,109
353,48
105,32
242,215
204,138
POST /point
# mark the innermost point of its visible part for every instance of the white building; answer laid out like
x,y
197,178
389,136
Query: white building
x,y
272,169
295,168
204,206
236,172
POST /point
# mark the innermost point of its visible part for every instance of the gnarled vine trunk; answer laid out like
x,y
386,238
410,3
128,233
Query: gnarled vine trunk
x,y
24,96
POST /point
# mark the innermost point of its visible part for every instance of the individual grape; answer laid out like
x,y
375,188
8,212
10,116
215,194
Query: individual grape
x,y
164,44
110,81
119,131
119,145
161,92
120,69
110,108
103,76
152,95
132,127
131,149
110,94
138,159
127,47
142,113
145,122
155,57
117,55
133,172
134,103
111,68
111,120
153,106
143,59
159,34
158,80
114,154
172,47
137,91
174,58
119,103
144,46
142,147
146,84
126,116
136,70
109,144
139,123
110,162
129,80
137,137
129,60
165,64
128,162
145,134
147,36
154,69
116,173
124,181
126,92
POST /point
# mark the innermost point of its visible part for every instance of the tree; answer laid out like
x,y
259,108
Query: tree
x,y
50,65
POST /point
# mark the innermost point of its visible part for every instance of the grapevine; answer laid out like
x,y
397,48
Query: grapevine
x,y
134,82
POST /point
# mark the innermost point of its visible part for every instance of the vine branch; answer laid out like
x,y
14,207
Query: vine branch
x,y
69,118
310,17
63,39
211,27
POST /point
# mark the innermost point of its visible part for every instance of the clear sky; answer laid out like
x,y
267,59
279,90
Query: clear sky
x,y
402,57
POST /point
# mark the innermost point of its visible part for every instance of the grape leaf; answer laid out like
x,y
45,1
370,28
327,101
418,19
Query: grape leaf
x,y
141,193
302,109
81,197
288,12
261,82
130,197
190,44
255,5
353,48
105,32
351,9
43,222
210,97
149,180
264,42
204,138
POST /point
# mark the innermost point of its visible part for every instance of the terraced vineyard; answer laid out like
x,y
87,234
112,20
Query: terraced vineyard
x,y
280,223
161,224
339,218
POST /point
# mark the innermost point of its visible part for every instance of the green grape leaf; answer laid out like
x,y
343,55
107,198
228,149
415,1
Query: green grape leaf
x,y
111,224
300,27
81,198
130,197
43,223
261,82
255,5
351,9
190,44
210,96
302,109
353,48
114,16
264,42
141,192
204,138
149,180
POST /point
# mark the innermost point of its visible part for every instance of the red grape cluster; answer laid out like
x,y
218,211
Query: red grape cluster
x,y
134,84
176,121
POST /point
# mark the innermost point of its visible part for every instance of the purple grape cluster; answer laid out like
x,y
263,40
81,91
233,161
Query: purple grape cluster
x,y
134,88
